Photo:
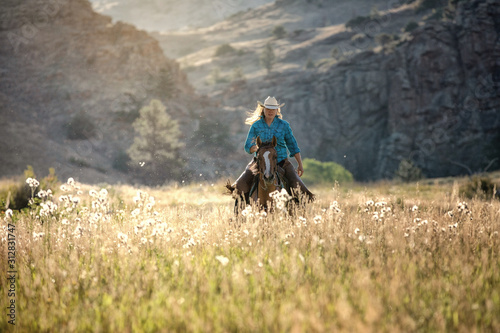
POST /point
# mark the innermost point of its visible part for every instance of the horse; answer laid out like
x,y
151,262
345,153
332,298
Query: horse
x,y
266,169
267,178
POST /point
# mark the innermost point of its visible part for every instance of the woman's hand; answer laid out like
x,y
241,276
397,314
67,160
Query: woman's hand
x,y
253,149
300,170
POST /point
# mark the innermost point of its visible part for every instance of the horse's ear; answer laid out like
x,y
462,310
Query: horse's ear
x,y
259,141
275,142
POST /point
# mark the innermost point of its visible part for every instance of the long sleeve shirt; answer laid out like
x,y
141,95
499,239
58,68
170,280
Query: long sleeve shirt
x,y
286,143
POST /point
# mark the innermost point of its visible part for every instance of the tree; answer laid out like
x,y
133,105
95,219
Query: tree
x,y
156,147
383,39
267,58
408,172
278,32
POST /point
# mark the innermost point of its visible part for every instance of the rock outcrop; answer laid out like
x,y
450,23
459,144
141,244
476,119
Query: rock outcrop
x,y
433,99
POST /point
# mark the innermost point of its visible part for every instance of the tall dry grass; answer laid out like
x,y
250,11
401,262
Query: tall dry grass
x,y
374,258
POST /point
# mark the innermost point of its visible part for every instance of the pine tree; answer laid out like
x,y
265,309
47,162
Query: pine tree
x,y
267,58
156,147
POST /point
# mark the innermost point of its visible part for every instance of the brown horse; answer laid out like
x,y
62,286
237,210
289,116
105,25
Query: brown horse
x,y
266,169
266,178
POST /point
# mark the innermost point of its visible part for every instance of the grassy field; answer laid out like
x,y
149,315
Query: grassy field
x,y
376,257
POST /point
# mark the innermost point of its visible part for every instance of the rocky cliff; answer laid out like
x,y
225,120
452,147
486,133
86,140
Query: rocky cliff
x,y
59,59
433,98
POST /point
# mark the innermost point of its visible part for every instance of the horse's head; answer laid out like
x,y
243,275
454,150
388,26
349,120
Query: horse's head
x,y
267,163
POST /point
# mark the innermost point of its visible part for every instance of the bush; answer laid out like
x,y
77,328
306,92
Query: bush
x,y
412,25
166,84
425,5
357,21
121,161
223,50
316,172
310,64
480,187
80,127
408,172
278,32
79,162
383,39
216,77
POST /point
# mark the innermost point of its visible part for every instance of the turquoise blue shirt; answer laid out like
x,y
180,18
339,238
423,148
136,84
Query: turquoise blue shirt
x,y
286,146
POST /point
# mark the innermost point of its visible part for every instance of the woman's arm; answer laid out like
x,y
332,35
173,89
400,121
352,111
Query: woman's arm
x,y
300,168
250,146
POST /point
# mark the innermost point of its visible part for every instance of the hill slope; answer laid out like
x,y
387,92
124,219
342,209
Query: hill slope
x,y
63,59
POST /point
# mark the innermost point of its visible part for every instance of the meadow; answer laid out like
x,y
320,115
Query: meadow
x,y
381,257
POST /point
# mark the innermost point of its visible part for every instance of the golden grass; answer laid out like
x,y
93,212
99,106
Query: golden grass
x,y
183,263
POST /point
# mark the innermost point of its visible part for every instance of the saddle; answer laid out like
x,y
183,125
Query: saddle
x,y
282,183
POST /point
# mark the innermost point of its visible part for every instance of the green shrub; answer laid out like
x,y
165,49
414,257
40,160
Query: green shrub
x,y
79,162
480,187
223,50
316,172
310,64
436,14
278,32
408,172
425,5
383,39
412,25
165,86
121,161
357,21
238,74
80,127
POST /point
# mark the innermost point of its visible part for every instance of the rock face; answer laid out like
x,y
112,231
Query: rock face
x,y
434,99
59,58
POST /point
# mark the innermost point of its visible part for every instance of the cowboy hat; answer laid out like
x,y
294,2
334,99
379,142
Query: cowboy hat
x,y
271,103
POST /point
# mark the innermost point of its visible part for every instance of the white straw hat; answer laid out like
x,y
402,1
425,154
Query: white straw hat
x,y
271,103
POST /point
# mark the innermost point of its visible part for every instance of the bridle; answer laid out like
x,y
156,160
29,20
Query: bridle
x,y
273,179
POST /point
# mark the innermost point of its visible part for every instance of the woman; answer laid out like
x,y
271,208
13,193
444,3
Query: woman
x,y
266,122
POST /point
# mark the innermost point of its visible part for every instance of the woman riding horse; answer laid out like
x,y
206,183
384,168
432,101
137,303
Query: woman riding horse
x,y
266,121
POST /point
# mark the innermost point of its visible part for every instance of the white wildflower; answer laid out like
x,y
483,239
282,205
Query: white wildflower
x,y
122,237
103,193
42,194
71,181
223,260
369,203
414,208
8,213
317,219
334,206
37,236
356,231
33,183
247,212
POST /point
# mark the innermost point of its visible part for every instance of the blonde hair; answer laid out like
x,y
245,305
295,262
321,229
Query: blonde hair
x,y
255,115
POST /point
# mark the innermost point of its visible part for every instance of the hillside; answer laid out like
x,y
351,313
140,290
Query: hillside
x,y
163,15
71,61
